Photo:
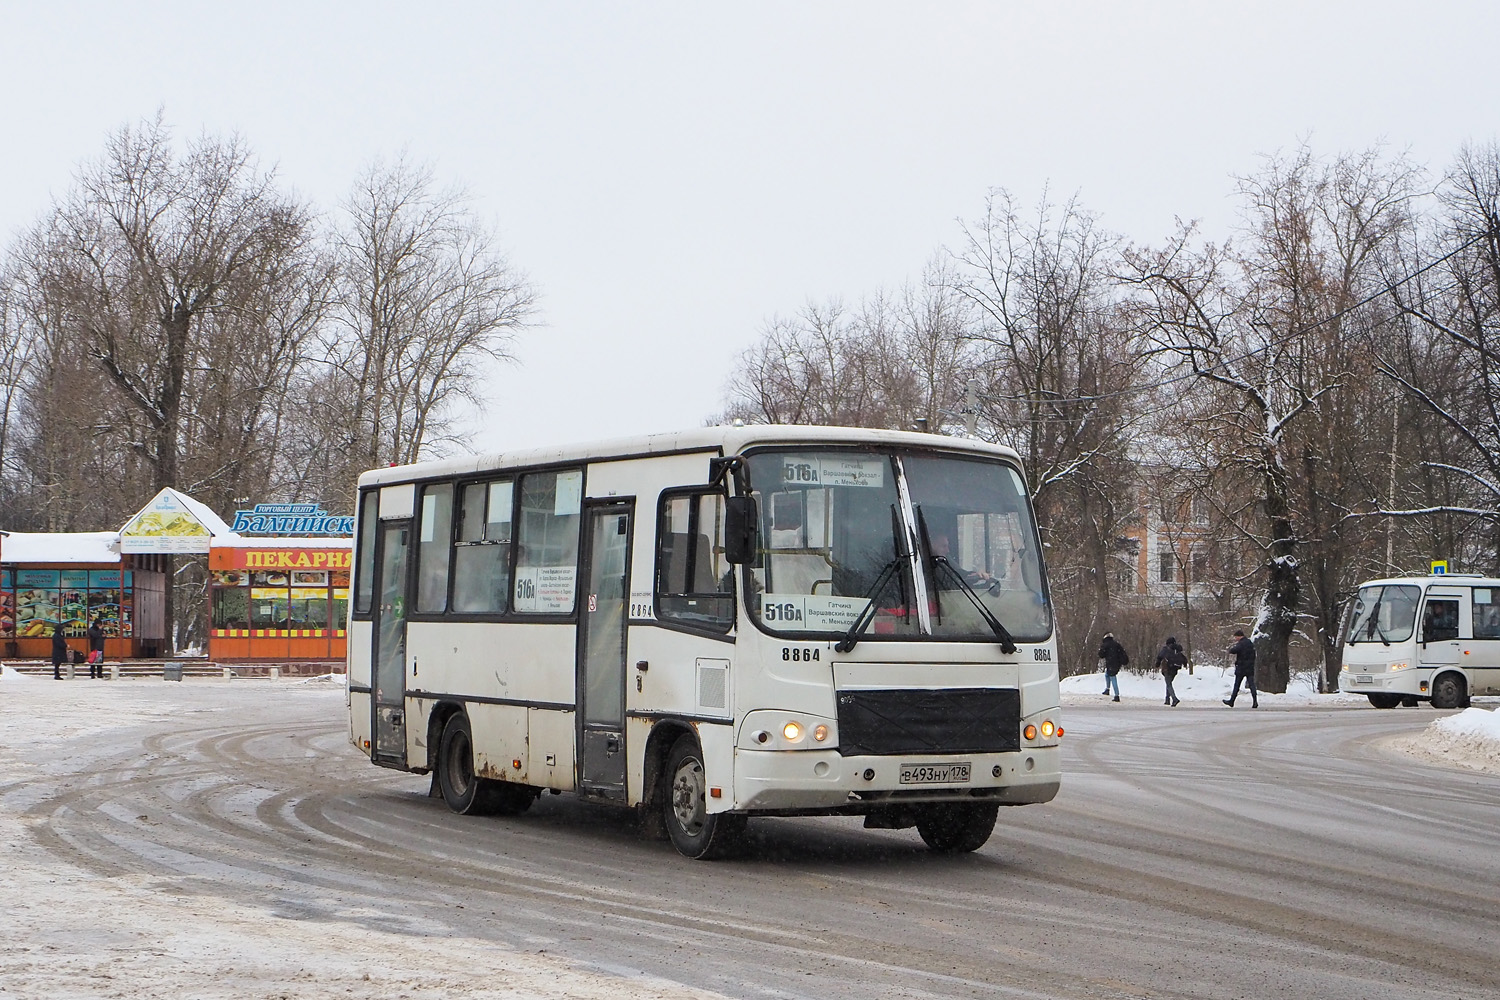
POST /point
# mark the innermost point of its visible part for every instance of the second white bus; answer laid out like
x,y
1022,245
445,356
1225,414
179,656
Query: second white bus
x,y
1423,638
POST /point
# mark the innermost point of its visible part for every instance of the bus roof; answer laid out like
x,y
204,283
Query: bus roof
x,y
722,440
1435,579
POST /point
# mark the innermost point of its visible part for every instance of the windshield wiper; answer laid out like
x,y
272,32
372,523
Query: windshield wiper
x,y
1372,627
1007,641
867,613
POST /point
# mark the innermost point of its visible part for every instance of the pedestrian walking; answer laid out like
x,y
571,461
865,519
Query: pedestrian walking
x,y
96,650
1244,668
1113,655
59,651
1170,660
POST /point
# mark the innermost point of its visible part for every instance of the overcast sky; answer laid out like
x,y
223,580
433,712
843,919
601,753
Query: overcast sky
x,y
671,176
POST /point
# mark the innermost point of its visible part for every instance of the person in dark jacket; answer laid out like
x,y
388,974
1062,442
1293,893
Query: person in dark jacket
x,y
1114,656
1170,660
96,649
59,651
1244,668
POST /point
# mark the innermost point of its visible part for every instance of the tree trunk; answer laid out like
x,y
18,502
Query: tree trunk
x,y
1277,620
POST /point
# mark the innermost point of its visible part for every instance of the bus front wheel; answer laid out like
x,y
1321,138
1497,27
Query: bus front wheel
x,y
1384,700
694,831
1448,691
957,827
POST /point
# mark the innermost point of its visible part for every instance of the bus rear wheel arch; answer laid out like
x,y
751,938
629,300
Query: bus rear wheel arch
x,y
693,830
465,792
1449,691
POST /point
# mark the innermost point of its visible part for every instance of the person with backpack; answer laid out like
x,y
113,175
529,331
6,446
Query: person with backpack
x,y
1114,657
1170,660
1244,668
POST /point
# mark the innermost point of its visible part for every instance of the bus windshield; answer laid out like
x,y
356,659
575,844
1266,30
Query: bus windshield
x,y
1384,613
837,535
979,532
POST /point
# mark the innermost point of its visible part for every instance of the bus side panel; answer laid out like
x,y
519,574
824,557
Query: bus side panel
x,y
670,684
499,733
718,764
517,662
550,746
359,677
359,653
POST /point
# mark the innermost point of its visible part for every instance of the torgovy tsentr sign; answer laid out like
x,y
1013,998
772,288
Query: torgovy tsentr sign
x,y
290,519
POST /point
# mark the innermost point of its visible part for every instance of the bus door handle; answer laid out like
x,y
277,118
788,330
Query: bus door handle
x,y
612,744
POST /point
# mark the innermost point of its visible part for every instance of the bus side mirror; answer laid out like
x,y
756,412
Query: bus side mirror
x,y
741,518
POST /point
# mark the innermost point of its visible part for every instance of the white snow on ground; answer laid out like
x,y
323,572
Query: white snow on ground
x,y
69,932
1205,684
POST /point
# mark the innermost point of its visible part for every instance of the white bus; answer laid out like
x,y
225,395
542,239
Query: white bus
x,y
712,625
1423,638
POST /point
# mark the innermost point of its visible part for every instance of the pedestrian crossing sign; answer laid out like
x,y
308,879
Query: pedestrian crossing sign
x,y
1440,567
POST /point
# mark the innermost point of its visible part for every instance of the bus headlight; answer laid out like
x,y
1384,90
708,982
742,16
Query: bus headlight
x,y
1047,728
1400,666
769,729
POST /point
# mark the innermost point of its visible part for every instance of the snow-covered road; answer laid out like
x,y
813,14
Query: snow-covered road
x,y
221,839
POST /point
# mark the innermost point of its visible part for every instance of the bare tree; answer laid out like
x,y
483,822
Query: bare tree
x,y
1270,334
1056,367
150,249
426,301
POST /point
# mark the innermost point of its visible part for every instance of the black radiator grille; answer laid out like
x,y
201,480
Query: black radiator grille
x,y
907,721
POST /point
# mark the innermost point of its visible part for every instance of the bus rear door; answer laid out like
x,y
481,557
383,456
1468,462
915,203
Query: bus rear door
x,y
388,657
601,649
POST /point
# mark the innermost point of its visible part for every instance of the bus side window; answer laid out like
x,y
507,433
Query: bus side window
x,y
547,542
364,577
694,583
1486,613
1440,620
433,543
481,548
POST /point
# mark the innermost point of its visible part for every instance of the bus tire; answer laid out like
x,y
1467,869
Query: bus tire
x,y
466,793
693,830
957,827
1448,691
1384,700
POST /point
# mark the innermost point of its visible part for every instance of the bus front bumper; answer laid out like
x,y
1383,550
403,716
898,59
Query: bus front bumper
x,y
814,781
1402,682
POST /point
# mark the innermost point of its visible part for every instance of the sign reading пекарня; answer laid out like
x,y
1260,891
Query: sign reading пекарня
x,y
280,559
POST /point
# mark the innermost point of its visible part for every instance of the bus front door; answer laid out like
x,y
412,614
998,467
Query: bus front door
x,y
601,649
389,655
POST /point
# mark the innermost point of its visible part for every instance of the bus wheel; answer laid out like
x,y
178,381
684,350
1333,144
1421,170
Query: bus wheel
x,y
1448,691
957,827
694,831
1384,700
464,792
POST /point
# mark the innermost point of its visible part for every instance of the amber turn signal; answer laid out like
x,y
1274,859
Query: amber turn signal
x,y
1030,732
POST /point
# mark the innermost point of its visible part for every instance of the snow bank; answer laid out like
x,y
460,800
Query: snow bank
x,y
1484,723
1470,739
12,675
